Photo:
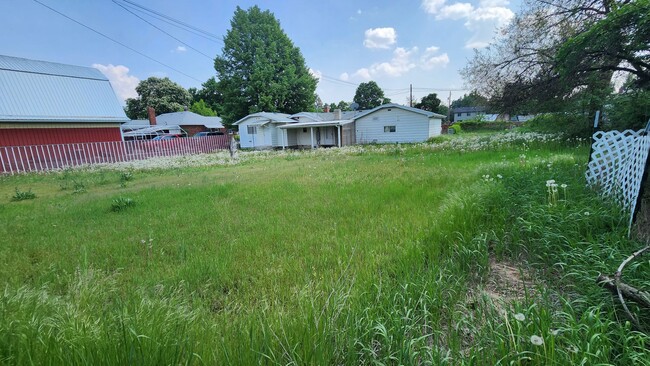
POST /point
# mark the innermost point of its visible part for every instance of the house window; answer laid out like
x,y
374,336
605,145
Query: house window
x,y
459,114
304,130
389,128
469,114
252,130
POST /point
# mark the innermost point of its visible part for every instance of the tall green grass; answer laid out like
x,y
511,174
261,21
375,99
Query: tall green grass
x,y
371,258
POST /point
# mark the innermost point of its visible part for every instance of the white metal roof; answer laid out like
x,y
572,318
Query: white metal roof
x,y
318,124
40,91
399,106
271,117
188,118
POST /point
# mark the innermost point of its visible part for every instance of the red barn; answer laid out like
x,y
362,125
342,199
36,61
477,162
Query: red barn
x,y
45,103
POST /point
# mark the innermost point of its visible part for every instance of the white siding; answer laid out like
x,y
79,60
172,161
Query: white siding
x,y
304,136
409,126
262,139
435,127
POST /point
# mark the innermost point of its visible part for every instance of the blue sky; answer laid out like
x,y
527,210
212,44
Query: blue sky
x,y
422,42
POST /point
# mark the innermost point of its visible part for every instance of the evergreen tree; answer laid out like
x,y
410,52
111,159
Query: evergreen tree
x,y
260,69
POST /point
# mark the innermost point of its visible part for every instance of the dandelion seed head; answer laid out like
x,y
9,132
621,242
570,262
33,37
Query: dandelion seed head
x,y
536,340
520,317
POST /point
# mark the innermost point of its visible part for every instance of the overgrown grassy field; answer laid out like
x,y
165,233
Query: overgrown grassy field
x,y
375,255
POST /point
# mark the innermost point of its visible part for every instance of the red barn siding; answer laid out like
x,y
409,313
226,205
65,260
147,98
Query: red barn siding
x,y
49,136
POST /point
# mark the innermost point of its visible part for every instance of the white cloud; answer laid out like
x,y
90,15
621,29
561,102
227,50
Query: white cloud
x,y
380,37
181,49
430,60
456,11
315,73
481,21
403,61
432,6
359,11
123,83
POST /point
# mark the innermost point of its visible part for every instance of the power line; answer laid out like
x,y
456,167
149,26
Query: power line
x,y
174,20
116,41
160,29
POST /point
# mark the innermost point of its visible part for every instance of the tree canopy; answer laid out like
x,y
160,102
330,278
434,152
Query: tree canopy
x,y
202,108
209,94
163,95
369,95
557,52
473,99
429,103
260,69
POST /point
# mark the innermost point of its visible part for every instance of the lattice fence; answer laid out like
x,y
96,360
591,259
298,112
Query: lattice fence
x,y
617,163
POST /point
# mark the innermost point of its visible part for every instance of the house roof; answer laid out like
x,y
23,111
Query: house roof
x,y
317,124
469,109
269,117
325,116
188,118
399,106
151,130
40,91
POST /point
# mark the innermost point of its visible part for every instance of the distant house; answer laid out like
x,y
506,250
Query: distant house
x,y
464,113
191,122
49,103
261,130
392,123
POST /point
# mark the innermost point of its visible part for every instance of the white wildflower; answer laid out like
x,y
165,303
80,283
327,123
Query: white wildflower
x,y
521,317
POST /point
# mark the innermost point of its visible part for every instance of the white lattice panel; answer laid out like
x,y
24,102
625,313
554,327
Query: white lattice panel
x,y
617,163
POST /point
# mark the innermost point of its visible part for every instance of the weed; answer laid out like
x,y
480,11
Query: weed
x,y
78,187
121,203
23,195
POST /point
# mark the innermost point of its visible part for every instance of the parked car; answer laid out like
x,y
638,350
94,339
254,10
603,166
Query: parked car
x,y
207,133
165,137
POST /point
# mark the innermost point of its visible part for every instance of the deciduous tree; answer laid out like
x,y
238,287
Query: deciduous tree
x,y
260,69
369,95
163,95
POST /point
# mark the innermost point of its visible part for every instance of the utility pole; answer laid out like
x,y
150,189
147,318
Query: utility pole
x,y
449,108
411,98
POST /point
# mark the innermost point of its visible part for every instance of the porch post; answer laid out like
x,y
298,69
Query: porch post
x,y
338,129
311,130
282,135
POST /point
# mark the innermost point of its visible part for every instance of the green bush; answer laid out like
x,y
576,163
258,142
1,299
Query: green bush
x,y
630,110
437,139
475,126
456,127
23,195
572,125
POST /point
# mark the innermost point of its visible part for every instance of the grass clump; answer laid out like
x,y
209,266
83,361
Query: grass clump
x,y
121,204
23,195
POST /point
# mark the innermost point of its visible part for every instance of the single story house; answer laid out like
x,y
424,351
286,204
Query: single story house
x,y
394,123
388,123
320,129
261,130
50,103
191,122
464,113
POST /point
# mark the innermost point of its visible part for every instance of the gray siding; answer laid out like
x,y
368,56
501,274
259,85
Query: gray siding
x,y
409,127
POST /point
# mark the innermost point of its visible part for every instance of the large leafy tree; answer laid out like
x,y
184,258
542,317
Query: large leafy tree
x,y
260,69
209,94
429,103
163,95
369,95
473,99
559,52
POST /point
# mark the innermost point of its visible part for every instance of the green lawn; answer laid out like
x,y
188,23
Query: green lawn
x,y
373,255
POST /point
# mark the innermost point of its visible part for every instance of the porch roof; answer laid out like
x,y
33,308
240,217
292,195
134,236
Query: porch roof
x,y
317,124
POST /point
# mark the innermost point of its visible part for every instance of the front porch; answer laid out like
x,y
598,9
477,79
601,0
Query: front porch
x,y
316,134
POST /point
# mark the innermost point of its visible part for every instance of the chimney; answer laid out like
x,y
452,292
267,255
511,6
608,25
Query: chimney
x,y
337,114
326,108
152,116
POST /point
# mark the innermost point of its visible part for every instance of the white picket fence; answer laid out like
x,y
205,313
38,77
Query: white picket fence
x,y
36,158
617,164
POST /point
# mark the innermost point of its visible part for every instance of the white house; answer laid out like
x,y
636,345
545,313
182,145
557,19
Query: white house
x,y
260,130
319,129
392,123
